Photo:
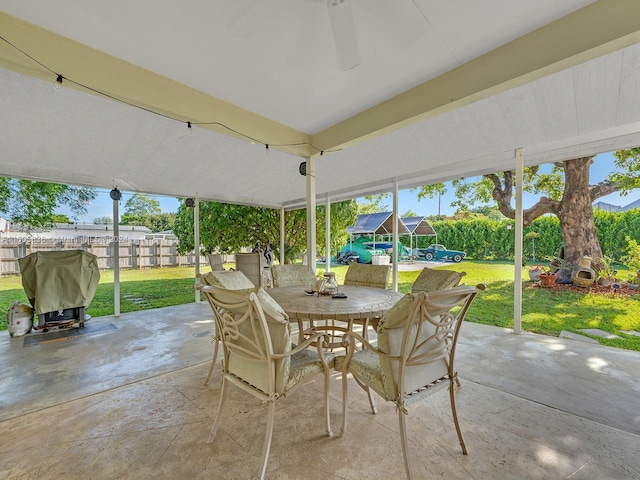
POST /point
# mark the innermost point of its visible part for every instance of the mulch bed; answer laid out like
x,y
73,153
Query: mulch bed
x,y
593,290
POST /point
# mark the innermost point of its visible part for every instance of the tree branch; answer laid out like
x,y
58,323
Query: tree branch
x,y
604,188
502,194
542,206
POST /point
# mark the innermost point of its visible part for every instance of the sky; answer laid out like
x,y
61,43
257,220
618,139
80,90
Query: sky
x,y
603,164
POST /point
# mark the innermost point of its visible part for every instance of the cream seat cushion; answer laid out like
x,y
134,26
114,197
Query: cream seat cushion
x,y
381,373
431,280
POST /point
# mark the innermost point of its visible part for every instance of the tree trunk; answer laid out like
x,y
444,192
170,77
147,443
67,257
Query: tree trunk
x,y
576,214
575,209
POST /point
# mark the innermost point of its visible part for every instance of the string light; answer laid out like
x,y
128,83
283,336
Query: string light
x,y
60,78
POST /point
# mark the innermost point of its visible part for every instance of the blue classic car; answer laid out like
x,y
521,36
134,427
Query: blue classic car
x,y
439,252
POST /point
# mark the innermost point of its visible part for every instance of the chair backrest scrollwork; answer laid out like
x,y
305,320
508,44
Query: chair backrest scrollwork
x,y
254,330
419,336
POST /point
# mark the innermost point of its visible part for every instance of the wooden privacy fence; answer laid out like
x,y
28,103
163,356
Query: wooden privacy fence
x,y
134,254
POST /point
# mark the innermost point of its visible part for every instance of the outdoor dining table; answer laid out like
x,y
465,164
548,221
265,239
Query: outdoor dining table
x,y
361,305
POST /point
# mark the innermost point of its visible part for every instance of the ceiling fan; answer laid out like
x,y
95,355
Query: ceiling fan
x,y
344,33
340,17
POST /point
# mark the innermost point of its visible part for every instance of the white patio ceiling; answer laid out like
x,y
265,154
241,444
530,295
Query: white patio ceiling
x,y
443,90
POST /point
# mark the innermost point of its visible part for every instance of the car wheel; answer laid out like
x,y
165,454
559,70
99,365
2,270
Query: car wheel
x,y
457,258
428,256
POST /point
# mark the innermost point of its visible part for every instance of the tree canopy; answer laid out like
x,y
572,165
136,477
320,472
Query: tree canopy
x,y
142,209
138,207
373,204
33,204
227,228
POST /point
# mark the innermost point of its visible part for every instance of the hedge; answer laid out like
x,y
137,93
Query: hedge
x,y
486,239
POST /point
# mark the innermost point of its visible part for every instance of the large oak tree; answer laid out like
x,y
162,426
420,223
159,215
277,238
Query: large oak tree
x,y
565,192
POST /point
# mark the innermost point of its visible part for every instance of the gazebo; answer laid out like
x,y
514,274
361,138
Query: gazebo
x,y
380,223
419,227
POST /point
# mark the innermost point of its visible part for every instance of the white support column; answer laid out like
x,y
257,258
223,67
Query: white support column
x,y
116,259
196,242
282,219
517,282
396,236
327,236
311,213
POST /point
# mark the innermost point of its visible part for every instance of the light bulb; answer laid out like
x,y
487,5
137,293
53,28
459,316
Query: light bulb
x,y
58,84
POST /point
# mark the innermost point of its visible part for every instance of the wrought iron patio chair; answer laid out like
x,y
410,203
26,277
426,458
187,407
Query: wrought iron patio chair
x,y
232,280
415,355
258,356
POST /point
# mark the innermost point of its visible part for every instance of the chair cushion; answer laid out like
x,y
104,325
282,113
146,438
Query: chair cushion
x,y
396,316
231,280
431,280
292,275
272,309
304,364
391,331
365,366
362,275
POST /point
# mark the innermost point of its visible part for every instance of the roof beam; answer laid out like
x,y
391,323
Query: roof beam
x,y
600,28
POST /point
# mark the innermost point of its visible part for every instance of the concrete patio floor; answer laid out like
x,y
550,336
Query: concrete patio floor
x,y
126,400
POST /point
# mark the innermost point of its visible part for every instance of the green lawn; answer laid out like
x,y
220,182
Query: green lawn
x,y
543,311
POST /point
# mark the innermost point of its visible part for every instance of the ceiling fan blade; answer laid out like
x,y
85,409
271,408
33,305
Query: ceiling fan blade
x,y
344,33
250,15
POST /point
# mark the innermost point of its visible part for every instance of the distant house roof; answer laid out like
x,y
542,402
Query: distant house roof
x,y
78,230
99,228
616,208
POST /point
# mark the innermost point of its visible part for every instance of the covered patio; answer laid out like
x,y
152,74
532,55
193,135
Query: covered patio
x,y
223,101
289,105
126,400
